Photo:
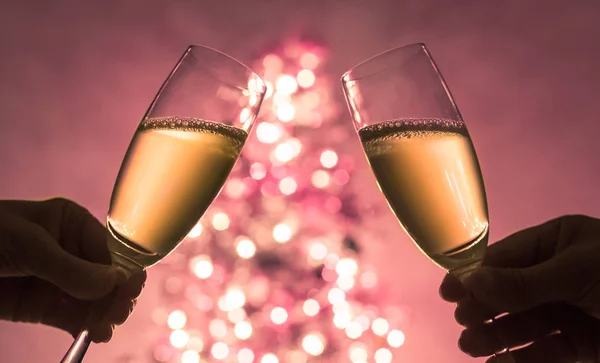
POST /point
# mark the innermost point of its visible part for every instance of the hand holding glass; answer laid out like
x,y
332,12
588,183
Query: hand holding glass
x,y
178,160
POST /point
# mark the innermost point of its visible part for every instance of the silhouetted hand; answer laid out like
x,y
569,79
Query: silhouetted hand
x,y
547,278
55,269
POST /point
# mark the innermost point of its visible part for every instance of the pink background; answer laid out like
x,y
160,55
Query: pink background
x,y
76,76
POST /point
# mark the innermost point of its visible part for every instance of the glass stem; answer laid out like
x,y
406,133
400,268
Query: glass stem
x,y
78,349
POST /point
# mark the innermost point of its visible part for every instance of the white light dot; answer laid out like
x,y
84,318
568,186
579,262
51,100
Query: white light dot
x,y
345,283
354,330
282,233
245,248
196,231
336,296
313,344
202,266
286,84
196,344
285,112
220,221
318,251
368,279
190,356
311,307
245,355
341,320
396,338
309,60
380,326
258,171
236,315
267,133
243,330
176,319
383,355
329,158
269,358
288,185
305,78
358,353
320,179
179,338
279,315
219,350
346,267
284,152
235,299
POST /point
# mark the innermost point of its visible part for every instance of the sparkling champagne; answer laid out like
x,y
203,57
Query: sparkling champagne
x,y
429,173
172,171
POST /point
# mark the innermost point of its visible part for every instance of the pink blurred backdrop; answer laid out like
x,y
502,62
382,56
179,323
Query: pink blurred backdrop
x,y
76,76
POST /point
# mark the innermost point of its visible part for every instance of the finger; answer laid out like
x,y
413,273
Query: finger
x,y
508,331
470,312
551,349
519,289
524,248
133,287
452,289
119,312
101,333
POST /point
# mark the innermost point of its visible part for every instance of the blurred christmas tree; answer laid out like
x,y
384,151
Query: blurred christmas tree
x,y
272,273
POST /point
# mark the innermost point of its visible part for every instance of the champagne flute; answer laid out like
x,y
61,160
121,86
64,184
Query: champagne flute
x,y
178,160
420,151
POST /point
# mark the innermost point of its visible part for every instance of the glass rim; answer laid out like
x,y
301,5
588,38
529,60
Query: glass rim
x,y
347,76
261,86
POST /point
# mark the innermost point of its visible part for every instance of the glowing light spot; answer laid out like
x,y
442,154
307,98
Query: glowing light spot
x,y
358,352
245,248
190,356
220,221
272,62
179,338
341,320
313,344
311,307
196,231
329,159
243,330
234,299
396,338
345,282
245,115
286,84
380,326
217,328
346,267
284,152
318,251
336,296
219,350
269,358
320,179
245,355
258,171
176,319
288,185
202,266
282,233
305,78
354,330
383,355
267,133
309,60
296,146
285,112
279,315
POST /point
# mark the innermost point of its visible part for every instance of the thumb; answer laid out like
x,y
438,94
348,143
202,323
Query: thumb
x,y
561,278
